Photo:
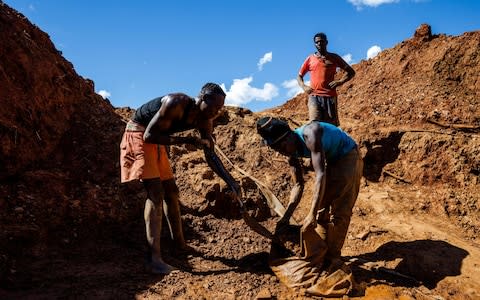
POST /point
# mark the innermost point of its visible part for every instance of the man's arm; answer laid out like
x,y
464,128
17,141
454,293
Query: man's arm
x,y
318,162
306,88
217,166
313,135
297,189
349,72
157,131
214,162
304,69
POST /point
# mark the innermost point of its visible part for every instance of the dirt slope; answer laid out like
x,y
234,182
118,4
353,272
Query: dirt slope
x,y
59,150
68,229
391,108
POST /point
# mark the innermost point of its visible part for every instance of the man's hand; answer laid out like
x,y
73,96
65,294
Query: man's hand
x,y
202,143
334,84
309,221
323,216
237,191
307,89
284,221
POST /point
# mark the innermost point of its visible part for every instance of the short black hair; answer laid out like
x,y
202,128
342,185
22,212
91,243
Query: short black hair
x,y
211,88
272,130
320,35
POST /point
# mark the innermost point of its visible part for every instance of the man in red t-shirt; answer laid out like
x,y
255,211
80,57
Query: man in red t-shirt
x,y
322,94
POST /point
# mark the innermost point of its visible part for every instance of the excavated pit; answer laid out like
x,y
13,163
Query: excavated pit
x,y
69,229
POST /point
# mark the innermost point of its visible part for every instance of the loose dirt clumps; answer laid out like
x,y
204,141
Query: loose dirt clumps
x,y
69,229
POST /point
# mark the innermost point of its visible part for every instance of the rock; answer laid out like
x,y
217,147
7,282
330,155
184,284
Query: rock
x,y
423,32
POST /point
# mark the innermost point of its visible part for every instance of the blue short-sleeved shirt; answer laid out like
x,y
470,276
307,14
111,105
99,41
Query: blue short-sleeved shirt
x,y
336,143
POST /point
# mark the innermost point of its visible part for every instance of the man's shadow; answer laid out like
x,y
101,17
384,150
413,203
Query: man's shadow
x,y
424,262
253,262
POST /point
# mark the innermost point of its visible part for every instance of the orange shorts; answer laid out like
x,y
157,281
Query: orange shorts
x,y
139,160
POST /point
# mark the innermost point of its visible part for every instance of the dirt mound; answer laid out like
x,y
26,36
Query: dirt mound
x,y
59,151
68,228
415,110
426,76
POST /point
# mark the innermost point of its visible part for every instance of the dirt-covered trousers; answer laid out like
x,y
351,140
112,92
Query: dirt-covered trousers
x,y
324,109
341,191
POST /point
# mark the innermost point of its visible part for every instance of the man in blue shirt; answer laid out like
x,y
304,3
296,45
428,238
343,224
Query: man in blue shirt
x,y
338,169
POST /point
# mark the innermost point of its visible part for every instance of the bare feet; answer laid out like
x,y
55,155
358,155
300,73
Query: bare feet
x,y
185,249
160,268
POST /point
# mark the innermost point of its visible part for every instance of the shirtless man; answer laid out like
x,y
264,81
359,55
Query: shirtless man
x,y
143,156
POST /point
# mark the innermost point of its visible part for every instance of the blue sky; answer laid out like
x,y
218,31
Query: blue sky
x,y
135,51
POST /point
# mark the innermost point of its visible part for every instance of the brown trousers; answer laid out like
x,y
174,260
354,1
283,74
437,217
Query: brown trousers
x,y
318,267
341,191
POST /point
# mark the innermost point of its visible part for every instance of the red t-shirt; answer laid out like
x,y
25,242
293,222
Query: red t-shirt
x,y
322,72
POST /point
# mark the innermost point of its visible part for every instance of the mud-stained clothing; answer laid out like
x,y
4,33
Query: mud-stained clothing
x,y
324,109
343,173
318,266
342,186
309,270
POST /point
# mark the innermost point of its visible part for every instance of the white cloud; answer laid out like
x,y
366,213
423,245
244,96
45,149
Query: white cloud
x,y
267,57
373,51
104,94
241,92
31,7
292,87
347,58
373,3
